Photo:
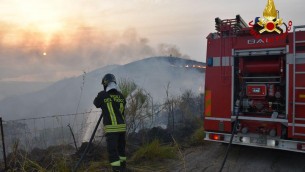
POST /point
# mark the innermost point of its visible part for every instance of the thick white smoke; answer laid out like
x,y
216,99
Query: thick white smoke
x,y
26,55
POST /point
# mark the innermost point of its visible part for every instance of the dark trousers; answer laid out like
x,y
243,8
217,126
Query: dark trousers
x,y
116,146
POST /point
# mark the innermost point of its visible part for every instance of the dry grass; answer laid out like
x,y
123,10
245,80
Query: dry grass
x,y
154,151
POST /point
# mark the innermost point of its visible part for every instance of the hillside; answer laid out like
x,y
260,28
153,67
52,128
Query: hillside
x,y
63,97
14,88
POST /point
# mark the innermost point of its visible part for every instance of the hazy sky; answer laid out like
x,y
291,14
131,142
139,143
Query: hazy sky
x,y
44,40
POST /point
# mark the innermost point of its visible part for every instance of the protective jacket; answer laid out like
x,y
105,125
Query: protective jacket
x,y
112,104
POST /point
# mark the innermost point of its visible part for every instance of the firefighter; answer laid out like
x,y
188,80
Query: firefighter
x,y
112,103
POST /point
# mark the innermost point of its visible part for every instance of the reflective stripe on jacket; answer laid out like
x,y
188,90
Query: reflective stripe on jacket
x,y
112,104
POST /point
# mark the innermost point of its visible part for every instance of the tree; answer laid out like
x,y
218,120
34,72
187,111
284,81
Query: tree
x,y
138,111
170,106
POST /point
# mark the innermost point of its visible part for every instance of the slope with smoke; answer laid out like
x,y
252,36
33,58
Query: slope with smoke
x,y
29,54
63,97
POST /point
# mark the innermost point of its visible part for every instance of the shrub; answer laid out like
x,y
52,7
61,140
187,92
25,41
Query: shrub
x,y
154,151
197,137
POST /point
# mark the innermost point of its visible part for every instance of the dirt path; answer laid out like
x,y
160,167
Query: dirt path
x,y
208,158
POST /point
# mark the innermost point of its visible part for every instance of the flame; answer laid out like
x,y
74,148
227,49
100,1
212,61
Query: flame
x,y
270,10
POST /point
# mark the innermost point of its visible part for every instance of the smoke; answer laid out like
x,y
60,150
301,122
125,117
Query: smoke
x,y
28,55
171,50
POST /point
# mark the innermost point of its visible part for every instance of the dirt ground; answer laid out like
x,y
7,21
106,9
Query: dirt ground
x,y
209,157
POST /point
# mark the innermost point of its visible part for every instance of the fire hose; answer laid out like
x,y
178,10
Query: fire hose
x,y
230,143
90,141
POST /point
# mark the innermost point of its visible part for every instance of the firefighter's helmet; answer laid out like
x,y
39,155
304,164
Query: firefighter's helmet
x,y
107,79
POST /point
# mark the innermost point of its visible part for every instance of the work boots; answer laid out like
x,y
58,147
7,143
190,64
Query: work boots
x,y
121,168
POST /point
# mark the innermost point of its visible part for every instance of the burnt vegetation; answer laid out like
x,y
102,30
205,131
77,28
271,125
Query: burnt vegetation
x,y
156,132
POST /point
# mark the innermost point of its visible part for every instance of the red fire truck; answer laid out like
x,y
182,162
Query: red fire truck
x,y
255,86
